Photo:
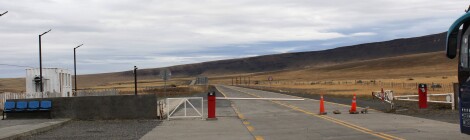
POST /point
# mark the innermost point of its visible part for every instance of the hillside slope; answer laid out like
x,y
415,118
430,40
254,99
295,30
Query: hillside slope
x,y
286,61
397,47
415,65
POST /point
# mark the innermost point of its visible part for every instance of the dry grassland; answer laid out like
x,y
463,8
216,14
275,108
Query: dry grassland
x,y
400,74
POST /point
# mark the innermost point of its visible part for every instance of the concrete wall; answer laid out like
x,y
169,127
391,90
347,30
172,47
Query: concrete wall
x,y
103,107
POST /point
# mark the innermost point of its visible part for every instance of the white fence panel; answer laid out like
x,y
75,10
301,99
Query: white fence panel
x,y
185,102
449,98
8,95
45,95
106,92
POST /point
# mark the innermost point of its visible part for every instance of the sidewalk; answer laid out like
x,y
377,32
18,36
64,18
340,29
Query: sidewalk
x,y
12,129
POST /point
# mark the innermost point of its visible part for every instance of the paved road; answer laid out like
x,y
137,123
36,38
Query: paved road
x,y
299,120
226,127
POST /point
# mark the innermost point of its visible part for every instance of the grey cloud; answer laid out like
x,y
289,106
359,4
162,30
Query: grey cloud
x,y
154,33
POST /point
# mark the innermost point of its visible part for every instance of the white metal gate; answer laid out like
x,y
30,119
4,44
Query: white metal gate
x,y
172,105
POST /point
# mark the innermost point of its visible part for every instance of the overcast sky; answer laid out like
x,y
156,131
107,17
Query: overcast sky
x,y
119,34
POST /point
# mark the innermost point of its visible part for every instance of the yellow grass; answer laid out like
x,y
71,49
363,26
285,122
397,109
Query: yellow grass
x,y
418,68
17,85
412,69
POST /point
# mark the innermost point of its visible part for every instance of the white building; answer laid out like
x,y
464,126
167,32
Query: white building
x,y
56,83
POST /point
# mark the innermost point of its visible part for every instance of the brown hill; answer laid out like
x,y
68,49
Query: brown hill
x,y
415,65
288,61
397,47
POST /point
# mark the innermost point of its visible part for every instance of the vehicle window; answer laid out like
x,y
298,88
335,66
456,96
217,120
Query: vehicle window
x,y
464,52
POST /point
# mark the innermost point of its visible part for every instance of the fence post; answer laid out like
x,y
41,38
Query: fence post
x,y
456,95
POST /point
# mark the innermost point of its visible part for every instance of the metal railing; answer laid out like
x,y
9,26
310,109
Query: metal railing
x,y
385,96
172,107
388,97
449,98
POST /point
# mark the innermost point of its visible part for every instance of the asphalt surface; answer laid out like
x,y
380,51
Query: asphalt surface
x,y
435,111
299,120
228,126
263,119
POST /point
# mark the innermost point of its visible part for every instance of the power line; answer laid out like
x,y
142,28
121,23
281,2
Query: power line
x,y
16,65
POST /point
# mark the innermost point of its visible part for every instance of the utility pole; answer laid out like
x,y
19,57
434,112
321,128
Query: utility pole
x,y
135,79
75,67
40,64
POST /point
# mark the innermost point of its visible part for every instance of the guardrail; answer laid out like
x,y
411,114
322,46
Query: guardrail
x,y
449,98
388,97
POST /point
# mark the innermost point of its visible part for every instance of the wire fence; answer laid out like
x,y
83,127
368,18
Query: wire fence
x,y
433,86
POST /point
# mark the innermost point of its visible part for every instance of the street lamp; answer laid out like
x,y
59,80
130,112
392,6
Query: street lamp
x,y
135,79
3,13
40,63
75,66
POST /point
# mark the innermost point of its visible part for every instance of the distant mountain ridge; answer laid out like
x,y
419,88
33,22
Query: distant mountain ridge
x,y
392,48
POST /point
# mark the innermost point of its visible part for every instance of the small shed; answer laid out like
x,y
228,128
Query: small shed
x,y
56,83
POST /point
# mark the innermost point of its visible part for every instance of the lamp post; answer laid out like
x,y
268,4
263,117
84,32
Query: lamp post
x,y
135,79
40,64
75,66
3,13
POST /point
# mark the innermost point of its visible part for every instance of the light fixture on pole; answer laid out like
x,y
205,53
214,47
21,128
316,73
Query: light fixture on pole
x,y
75,67
3,13
40,64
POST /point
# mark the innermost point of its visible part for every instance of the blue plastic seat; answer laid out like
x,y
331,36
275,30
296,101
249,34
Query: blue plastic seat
x,y
21,105
46,105
9,106
33,105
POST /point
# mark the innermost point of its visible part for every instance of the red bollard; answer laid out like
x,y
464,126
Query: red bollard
x,y
423,97
211,106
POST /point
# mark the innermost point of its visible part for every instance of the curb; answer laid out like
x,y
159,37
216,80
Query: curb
x,y
35,131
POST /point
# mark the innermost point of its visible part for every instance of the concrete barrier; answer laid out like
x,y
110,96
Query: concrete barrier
x,y
102,107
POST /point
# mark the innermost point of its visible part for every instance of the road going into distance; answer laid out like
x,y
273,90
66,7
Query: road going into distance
x,y
299,120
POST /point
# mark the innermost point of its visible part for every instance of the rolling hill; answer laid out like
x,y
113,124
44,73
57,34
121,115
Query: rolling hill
x,y
392,48
347,57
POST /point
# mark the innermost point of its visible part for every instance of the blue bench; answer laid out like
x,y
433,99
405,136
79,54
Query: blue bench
x,y
27,106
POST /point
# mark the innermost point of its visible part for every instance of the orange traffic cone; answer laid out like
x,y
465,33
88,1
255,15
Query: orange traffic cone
x,y
353,106
322,106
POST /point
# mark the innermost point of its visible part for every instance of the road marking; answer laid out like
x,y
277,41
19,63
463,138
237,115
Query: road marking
x,y
259,138
340,122
250,128
314,99
242,118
